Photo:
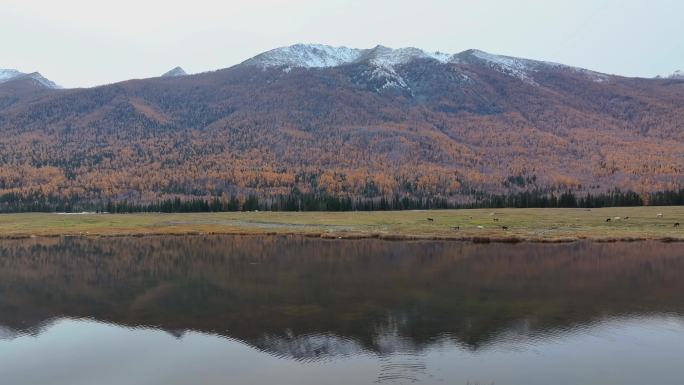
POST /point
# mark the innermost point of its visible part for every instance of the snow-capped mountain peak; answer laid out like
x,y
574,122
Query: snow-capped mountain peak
x,y
679,74
36,76
384,62
381,55
12,74
322,56
305,56
381,60
178,71
8,74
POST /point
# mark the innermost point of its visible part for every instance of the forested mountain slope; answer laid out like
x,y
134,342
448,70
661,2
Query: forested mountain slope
x,y
359,123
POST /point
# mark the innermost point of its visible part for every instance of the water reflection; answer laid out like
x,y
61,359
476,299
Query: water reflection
x,y
314,301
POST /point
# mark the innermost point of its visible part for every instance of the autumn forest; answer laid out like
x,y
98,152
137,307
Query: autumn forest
x,y
457,133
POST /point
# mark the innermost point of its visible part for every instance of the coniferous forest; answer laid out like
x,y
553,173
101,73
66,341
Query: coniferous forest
x,y
297,201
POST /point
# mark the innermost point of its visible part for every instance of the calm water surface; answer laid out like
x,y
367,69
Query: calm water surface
x,y
277,310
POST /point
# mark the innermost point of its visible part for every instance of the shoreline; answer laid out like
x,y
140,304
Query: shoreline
x,y
351,237
620,224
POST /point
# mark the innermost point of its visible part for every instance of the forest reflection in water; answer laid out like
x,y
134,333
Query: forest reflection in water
x,y
389,305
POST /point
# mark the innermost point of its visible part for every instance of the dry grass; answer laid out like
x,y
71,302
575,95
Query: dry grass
x,y
546,225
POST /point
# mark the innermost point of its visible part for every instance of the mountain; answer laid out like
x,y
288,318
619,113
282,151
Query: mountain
x,y
178,71
322,56
18,87
384,58
7,75
352,123
305,56
679,74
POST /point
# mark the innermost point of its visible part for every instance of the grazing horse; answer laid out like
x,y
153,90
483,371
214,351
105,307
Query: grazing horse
x,y
608,220
504,227
496,219
676,224
430,219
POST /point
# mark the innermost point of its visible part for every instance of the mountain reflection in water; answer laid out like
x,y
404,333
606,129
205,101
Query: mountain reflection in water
x,y
314,300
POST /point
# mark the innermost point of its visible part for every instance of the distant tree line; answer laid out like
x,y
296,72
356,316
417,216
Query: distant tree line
x,y
537,199
298,201
290,202
35,202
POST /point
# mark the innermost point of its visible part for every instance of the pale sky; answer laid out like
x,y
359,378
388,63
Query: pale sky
x,y
92,42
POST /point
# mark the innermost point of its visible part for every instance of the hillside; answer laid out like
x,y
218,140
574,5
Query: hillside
x,y
359,123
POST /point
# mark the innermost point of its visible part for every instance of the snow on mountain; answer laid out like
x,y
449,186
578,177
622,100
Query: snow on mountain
x,y
305,56
178,71
43,81
12,74
385,59
8,74
523,69
384,76
386,56
519,68
382,60
321,56
679,74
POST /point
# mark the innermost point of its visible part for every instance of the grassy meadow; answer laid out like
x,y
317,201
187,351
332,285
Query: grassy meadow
x,y
552,225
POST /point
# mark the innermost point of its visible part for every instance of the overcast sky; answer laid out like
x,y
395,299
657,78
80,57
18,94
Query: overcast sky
x,y
91,42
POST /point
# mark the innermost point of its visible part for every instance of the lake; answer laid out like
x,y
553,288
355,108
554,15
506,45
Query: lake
x,y
290,310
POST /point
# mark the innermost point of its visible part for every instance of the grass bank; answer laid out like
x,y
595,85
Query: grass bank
x,y
486,225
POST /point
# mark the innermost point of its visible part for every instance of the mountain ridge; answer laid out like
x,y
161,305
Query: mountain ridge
x,y
7,75
388,124
326,56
